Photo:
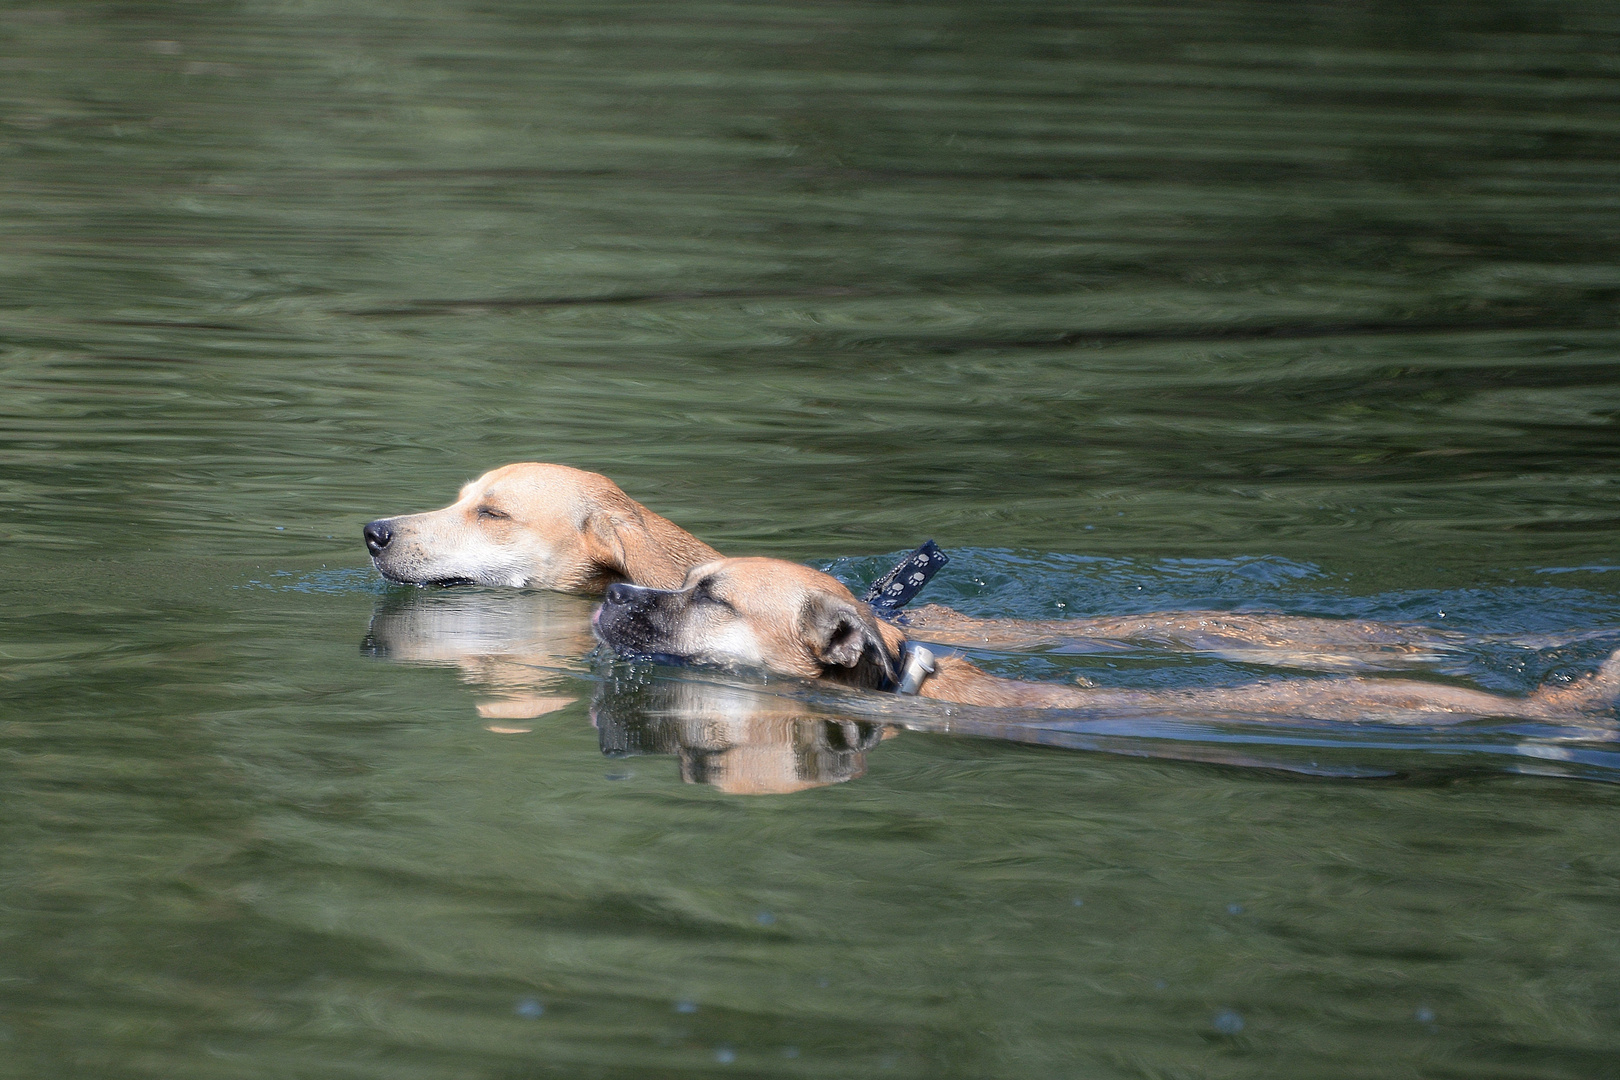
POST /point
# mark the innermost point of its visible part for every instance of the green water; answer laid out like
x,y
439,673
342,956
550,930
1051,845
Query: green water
x,y
1132,307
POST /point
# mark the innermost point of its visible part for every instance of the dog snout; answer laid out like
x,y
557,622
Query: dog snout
x,y
624,618
620,594
378,534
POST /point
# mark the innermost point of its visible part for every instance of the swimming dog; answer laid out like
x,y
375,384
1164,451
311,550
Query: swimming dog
x,y
536,526
791,620
540,526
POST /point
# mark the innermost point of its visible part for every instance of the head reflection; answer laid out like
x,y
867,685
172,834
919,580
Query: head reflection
x,y
743,741
512,647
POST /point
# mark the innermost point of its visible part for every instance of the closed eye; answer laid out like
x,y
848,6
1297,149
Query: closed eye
x,y
702,595
489,513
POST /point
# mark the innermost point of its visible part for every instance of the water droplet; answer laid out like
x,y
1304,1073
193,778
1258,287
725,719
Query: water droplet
x,y
790,1051
1424,1015
765,918
725,1055
529,1008
1227,1022
1159,984
625,775
1234,909
281,528
685,1006
824,982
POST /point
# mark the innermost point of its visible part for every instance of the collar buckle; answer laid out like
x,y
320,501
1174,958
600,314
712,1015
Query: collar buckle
x,y
916,664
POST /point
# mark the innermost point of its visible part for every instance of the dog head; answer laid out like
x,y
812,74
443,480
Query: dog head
x,y
758,613
535,526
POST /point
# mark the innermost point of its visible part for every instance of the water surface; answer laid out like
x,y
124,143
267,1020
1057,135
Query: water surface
x,y
1132,308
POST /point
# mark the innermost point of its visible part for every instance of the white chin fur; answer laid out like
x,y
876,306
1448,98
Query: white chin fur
x,y
497,573
736,645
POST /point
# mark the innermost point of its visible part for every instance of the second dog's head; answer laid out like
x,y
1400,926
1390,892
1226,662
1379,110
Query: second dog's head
x,y
758,613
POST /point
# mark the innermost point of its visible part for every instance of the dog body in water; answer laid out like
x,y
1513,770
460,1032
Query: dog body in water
x,y
540,526
792,620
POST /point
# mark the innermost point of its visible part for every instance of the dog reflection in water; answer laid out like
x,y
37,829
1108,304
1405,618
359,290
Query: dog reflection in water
x,y
515,648
518,649
742,741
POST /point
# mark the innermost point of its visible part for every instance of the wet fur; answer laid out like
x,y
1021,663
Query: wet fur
x,y
792,620
1242,636
540,526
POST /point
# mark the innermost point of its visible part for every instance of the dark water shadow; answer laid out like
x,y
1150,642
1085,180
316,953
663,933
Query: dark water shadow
x,y
1594,311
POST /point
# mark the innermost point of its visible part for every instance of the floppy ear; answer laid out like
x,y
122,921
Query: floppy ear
x,y
846,639
620,544
603,545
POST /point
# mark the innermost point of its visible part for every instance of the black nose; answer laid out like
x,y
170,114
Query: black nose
x,y
619,594
378,534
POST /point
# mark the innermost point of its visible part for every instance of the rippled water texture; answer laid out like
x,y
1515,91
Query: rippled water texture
x,y
1303,307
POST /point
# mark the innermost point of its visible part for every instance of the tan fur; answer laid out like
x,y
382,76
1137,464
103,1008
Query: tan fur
x,y
797,621
1243,636
575,531
532,525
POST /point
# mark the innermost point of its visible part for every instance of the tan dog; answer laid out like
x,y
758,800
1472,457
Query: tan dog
x,y
539,527
789,619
